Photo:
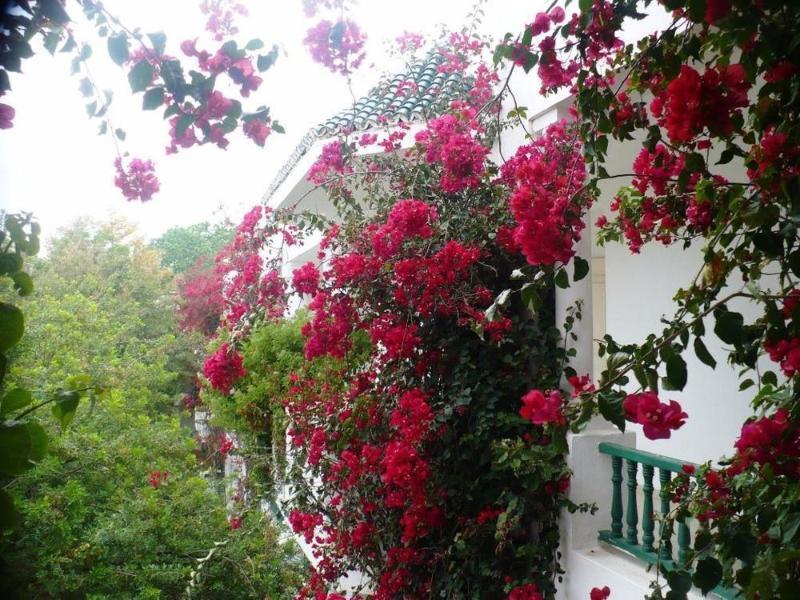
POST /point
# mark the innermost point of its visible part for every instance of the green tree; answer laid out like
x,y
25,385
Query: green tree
x,y
121,507
181,247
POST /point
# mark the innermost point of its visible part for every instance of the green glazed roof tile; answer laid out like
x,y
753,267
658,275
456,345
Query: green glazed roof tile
x,y
433,95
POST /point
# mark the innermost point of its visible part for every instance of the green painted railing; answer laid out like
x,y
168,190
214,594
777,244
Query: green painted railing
x,y
639,539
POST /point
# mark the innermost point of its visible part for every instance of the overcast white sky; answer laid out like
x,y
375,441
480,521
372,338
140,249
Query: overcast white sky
x,y
53,163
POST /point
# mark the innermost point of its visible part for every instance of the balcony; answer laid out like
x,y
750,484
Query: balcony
x,y
649,539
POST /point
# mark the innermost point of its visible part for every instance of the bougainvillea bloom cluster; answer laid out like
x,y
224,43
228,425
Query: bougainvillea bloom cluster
x,y
546,178
657,418
223,368
339,45
450,141
137,181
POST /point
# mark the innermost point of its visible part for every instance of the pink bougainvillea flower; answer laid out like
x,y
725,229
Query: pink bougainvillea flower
x,y
658,419
7,114
338,46
257,130
137,181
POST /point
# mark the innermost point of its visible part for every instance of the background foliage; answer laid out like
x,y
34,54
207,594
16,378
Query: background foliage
x,y
121,507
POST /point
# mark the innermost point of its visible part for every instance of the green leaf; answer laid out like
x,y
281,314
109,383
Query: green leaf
x,y
140,76
728,327
697,10
118,48
695,162
183,124
65,406
12,326
231,49
10,263
770,243
561,279
679,582
5,84
120,133
707,574
610,406
8,514
86,88
530,297
53,10
790,528
585,5
172,73
254,44
277,127
15,448
703,354
153,98
23,283
744,546
676,373
14,400
38,441
51,41
581,268
794,262
265,61
159,41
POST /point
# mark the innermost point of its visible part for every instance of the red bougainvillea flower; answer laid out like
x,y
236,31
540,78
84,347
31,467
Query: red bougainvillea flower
x,y
408,219
790,303
529,591
658,419
138,181
786,353
692,102
304,523
449,141
224,368
541,410
716,10
305,279
225,444
581,385
600,593
157,478
545,177
769,441
235,522
488,514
